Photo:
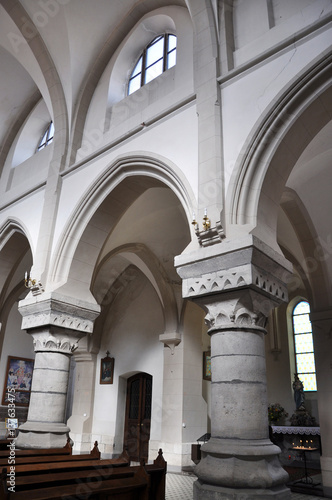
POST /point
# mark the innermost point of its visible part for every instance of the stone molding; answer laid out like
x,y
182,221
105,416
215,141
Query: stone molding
x,y
54,344
246,263
58,311
170,340
243,276
52,318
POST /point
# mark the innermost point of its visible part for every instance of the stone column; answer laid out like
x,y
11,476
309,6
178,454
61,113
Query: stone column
x,y
237,285
322,333
56,325
81,419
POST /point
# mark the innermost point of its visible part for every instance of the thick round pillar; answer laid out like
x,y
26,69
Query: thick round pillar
x,y
49,387
45,426
237,288
56,325
239,384
239,456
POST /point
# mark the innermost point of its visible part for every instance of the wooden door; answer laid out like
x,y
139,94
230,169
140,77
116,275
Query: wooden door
x,y
138,416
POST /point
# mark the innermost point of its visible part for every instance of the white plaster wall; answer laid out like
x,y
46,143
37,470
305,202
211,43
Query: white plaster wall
x,y
257,31
112,86
131,335
279,389
248,97
174,140
195,417
27,212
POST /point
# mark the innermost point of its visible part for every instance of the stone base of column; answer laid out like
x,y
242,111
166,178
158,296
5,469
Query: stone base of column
x,y
240,469
204,491
42,435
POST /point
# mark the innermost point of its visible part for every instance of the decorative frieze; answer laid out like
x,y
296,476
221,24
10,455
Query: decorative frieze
x,y
246,263
243,276
58,311
53,318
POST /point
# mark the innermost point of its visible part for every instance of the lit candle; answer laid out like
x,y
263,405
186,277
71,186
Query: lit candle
x,y
205,212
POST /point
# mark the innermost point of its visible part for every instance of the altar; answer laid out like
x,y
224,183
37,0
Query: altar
x,y
290,437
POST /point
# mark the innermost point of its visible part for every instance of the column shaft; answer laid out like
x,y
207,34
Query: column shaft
x,y
237,285
49,387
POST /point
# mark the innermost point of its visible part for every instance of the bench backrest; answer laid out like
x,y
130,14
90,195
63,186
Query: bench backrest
x,y
50,457
34,452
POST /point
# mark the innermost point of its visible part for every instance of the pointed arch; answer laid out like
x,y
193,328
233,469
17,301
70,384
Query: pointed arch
x,y
51,77
312,268
287,127
14,244
141,257
126,179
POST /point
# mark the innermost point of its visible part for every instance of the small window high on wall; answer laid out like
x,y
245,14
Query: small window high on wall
x,y
156,58
304,346
47,137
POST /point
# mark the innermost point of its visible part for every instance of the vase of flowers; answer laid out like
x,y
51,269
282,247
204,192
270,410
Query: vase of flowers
x,y
276,413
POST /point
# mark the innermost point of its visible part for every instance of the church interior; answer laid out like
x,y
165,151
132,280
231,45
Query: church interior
x,y
165,237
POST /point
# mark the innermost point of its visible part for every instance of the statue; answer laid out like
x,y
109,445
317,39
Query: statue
x,y
298,393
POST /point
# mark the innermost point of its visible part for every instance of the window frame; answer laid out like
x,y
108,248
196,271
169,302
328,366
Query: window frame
x,y
293,315
48,135
143,57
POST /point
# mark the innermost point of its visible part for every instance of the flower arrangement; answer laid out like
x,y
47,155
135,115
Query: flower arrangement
x,y
276,412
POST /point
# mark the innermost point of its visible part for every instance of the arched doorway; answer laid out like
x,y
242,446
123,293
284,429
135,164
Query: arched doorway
x,y
138,416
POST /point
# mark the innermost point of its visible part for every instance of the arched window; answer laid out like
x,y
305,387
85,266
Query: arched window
x,y
304,346
156,58
47,137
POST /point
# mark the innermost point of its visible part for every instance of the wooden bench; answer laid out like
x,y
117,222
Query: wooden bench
x,y
34,452
95,479
36,458
157,472
130,484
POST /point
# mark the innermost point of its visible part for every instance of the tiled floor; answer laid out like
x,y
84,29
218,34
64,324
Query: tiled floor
x,y
180,487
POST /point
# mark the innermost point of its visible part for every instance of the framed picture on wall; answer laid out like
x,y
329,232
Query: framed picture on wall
x,y
18,378
106,370
207,365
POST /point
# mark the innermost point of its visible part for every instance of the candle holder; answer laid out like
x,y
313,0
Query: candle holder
x,y
209,235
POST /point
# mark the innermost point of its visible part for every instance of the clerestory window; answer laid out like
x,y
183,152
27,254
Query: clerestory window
x,y
47,137
304,346
156,58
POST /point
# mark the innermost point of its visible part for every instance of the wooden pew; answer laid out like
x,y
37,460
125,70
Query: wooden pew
x,y
34,452
88,479
45,457
157,472
74,464
129,484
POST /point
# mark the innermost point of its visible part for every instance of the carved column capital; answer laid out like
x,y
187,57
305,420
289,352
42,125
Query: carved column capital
x,y
61,341
242,308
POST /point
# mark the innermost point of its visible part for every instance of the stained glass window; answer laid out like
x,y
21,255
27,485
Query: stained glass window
x,y
156,58
304,346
